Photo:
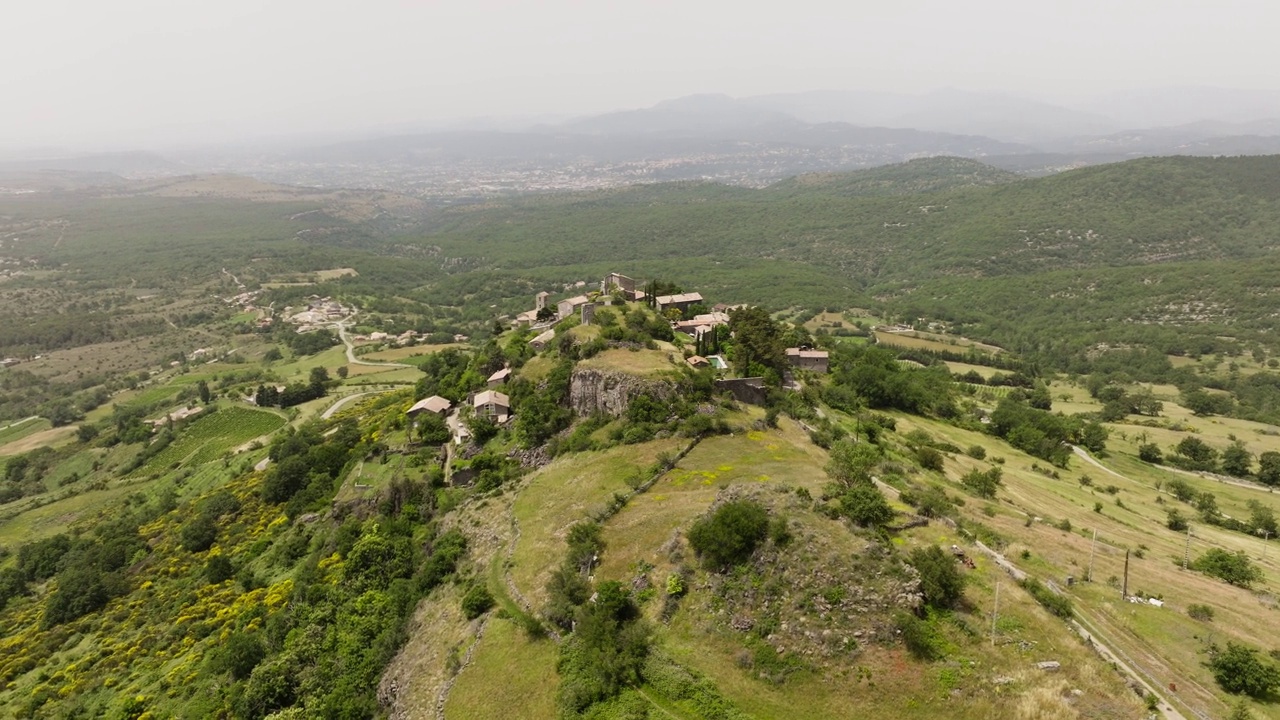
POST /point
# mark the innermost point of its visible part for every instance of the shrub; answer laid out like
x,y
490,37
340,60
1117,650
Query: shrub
x,y
977,452
1200,612
218,569
476,602
729,535
1239,670
866,506
919,636
1176,521
1150,452
199,534
940,578
982,484
239,655
929,458
1057,604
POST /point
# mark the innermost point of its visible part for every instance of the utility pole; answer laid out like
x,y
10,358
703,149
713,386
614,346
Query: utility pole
x,y
1266,535
1186,554
1124,592
1088,576
995,611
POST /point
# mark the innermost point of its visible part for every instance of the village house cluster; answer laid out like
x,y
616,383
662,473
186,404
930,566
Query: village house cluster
x,y
320,311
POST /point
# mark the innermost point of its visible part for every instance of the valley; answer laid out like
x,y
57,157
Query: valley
x,y
1019,462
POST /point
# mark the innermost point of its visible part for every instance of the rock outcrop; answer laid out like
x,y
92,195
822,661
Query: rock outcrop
x,y
604,391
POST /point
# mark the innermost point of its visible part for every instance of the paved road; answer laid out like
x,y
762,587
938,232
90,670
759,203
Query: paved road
x,y
343,402
341,325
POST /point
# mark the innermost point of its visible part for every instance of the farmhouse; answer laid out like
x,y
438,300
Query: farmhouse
x,y
434,404
540,342
701,323
565,308
679,302
623,284
698,362
806,359
500,377
493,405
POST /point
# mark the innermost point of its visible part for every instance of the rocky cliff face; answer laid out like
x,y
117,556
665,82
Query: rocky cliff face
x,y
603,391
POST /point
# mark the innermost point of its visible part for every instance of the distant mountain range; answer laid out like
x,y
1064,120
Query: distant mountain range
x,y
753,141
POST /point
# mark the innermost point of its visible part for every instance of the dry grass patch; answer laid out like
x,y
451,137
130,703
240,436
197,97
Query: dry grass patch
x,y
634,362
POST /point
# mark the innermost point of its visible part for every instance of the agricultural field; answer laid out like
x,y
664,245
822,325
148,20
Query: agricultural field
x,y
208,437
933,342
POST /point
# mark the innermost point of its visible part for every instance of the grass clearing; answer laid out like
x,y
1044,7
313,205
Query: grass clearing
x,y
19,429
566,492
782,457
633,362
509,676
51,437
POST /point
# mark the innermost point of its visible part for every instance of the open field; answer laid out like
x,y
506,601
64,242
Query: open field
x,y
1163,642
932,341
401,354
18,429
51,437
959,368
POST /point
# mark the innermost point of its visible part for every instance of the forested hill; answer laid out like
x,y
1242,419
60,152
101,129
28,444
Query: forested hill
x,y
932,174
1141,212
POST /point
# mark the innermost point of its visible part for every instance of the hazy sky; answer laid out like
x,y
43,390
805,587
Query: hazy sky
x,y
82,73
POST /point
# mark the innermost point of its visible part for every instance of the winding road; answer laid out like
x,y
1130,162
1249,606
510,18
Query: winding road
x,y
341,326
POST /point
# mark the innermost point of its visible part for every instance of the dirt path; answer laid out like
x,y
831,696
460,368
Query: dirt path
x,y
1084,455
1087,630
23,421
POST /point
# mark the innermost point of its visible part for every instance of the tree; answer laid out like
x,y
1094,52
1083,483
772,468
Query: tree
x,y
1269,468
343,371
1262,519
729,535
757,341
1150,452
1196,454
1176,521
432,429
1239,670
1093,436
1233,568
199,534
1236,460
940,579
239,655
851,462
202,388
983,484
